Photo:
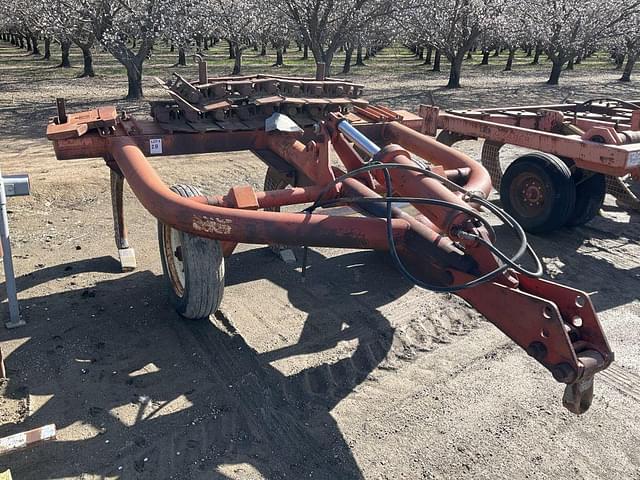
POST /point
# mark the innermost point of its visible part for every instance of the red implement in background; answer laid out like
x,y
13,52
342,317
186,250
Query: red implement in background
x,y
588,149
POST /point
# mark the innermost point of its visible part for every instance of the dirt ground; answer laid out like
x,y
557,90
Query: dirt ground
x,y
352,373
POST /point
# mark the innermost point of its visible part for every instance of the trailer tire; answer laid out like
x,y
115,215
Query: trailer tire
x,y
193,267
537,190
590,195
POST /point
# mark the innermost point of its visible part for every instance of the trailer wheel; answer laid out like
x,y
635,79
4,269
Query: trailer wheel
x,y
537,190
193,267
590,192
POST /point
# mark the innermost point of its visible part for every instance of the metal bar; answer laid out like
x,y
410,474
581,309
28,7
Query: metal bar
x,y
271,198
7,260
62,112
246,226
358,138
607,159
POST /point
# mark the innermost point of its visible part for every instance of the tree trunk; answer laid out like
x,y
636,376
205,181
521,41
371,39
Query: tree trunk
x,y
28,40
328,60
237,65
172,48
628,68
263,50
556,70
134,78
454,71
87,59
427,60
570,64
182,58
359,60
34,45
47,48
348,53
21,41
64,62
529,51
420,53
305,52
436,62
619,59
205,43
469,55
512,53
279,57
232,52
485,57
536,56
497,52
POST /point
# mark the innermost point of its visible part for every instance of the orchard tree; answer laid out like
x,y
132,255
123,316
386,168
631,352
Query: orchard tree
x,y
453,27
327,25
629,43
567,28
67,22
240,23
276,29
128,30
510,31
192,18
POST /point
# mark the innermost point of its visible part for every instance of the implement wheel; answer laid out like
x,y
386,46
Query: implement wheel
x,y
193,267
537,190
591,189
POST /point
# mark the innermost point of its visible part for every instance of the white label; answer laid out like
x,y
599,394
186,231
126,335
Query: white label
x,y
634,159
155,146
13,441
48,431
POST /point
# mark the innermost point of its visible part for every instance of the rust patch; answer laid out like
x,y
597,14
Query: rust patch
x,y
219,226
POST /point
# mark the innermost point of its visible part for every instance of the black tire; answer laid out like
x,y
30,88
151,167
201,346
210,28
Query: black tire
x,y
591,189
194,271
537,190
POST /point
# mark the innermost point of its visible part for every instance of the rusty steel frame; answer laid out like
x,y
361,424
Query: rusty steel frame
x,y
606,142
556,325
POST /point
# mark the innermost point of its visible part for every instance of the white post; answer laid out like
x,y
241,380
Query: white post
x,y
7,260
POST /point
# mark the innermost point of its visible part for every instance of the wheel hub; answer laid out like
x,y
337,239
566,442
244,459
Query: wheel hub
x,y
533,193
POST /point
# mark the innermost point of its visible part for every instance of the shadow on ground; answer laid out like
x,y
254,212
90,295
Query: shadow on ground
x,y
580,260
184,399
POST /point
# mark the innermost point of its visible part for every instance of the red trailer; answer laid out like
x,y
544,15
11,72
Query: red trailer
x,y
291,124
580,152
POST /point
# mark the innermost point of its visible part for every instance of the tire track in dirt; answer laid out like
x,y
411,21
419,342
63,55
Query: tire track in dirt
x,y
255,417
624,381
271,409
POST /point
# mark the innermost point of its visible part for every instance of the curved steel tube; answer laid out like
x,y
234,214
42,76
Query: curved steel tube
x,y
246,226
438,153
